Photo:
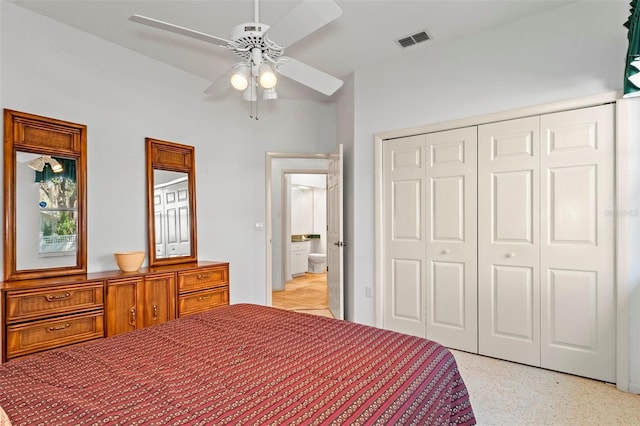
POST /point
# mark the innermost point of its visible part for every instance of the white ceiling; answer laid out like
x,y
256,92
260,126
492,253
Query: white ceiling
x,y
365,33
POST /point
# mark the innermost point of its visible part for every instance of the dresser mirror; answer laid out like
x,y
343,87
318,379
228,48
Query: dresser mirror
x,y
44,197
171,202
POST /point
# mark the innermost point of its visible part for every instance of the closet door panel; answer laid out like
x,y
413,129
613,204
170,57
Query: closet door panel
x,y
447,209
508,243
449,292
405,284
577,253
451,215
573,329
572,195
404,236
512,215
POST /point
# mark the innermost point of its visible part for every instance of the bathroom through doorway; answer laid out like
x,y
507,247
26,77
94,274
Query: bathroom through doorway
x,y
304,227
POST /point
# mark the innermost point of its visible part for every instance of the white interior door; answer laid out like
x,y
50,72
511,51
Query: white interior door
x,y
404,298
451,252
577,253
171,209
335,237
508,240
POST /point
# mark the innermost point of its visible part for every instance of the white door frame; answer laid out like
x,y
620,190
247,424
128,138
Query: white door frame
x,y
623,146
269,157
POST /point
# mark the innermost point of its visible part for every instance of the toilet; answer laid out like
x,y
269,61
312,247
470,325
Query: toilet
x,y
317,263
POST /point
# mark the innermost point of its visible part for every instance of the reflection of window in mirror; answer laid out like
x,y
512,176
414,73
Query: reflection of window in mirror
x,y
47,196
171,214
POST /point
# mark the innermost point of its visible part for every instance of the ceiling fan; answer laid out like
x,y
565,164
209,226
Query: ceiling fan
x,y
261,48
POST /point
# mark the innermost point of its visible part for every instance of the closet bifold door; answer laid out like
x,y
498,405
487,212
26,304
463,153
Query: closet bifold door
x,y
404,195
578,253
451,190
508,240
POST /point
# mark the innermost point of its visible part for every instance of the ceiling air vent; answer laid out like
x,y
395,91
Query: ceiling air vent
x,y
413,39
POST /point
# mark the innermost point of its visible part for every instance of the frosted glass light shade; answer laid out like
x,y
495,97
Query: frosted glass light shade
x,y
56,167
268,94
240,78
268,78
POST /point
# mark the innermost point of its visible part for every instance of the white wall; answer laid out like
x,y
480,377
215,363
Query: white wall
x,y
634,219
572,51
320,220
628,216
56,71
301,213
311,180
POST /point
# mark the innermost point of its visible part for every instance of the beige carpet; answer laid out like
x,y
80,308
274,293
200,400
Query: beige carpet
x,y
506,393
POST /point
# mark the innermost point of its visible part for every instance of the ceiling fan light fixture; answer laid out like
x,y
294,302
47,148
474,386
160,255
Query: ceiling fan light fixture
x,y
268,78
240,78
37,164
259,44
55,165
268,94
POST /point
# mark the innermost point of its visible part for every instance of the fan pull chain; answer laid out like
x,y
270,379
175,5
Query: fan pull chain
x,y
257,105
254,100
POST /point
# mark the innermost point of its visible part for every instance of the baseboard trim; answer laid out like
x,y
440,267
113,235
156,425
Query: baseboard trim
x,y
634,388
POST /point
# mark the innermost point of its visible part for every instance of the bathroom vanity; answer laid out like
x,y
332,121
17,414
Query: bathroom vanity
x,y
299,257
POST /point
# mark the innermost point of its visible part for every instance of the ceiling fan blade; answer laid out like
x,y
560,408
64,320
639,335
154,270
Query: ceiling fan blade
x,y
302,20
178,30
309,76
219,87
221,83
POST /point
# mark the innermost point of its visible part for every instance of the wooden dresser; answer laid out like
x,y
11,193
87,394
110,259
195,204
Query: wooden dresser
x,y
47,313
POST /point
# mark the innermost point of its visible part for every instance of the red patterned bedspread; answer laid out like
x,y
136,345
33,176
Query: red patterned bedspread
x,y
241,364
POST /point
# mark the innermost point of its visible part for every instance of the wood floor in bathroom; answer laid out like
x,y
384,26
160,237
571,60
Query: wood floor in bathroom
x,y
304,293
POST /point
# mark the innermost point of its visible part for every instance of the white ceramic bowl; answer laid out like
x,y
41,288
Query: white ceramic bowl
x,y
129,261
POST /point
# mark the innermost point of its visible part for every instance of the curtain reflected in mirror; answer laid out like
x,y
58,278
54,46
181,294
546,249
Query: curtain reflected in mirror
x,y
171,214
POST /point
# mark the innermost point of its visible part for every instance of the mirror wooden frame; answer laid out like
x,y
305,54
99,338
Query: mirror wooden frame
x,y
171,156
31,133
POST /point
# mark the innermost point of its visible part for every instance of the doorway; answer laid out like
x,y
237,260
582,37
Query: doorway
x,y
277,166
303,284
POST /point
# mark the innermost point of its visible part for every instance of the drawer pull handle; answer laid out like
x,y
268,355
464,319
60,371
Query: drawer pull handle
x,y
132,321
59,296
59,327
203,298
203,276
155,312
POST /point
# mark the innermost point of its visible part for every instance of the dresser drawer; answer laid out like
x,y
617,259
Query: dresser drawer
x,y
41,303
201,301
203,278
36,336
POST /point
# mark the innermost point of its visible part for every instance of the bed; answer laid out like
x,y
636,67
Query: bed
x,y
240,364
